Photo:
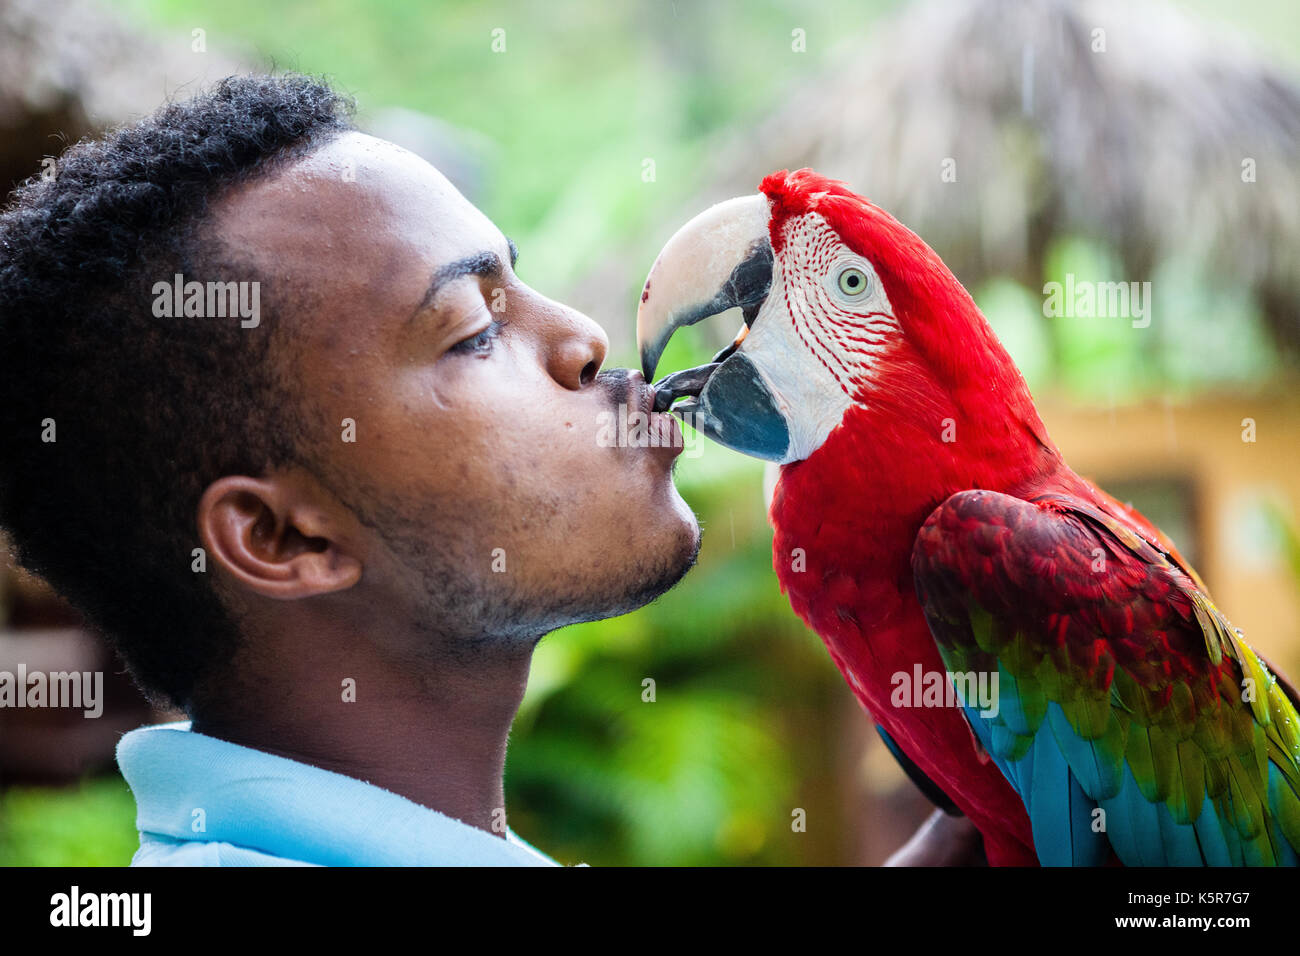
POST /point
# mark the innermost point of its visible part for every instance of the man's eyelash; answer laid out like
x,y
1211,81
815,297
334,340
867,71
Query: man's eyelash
x,y
481,342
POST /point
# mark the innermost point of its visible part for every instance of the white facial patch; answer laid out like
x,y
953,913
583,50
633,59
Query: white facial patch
x,y
819,332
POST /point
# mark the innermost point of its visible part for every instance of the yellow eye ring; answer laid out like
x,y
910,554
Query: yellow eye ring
x,y
853,281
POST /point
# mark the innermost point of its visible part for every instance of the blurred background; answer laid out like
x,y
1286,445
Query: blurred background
x,y
1025,140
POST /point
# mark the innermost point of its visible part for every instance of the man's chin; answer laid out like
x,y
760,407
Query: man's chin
x,y
644,578
667,573
493,618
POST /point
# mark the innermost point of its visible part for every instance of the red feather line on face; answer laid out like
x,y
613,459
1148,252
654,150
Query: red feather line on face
x,y
846,343
805,330
801,274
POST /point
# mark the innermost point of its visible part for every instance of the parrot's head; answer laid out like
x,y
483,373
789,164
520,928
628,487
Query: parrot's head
x,y
843,308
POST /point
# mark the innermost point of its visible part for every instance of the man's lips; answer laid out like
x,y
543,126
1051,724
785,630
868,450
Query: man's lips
x,y
663,435
629,389
640,393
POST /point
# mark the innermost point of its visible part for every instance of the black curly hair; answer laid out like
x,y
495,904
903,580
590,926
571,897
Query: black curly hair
x,y
145,412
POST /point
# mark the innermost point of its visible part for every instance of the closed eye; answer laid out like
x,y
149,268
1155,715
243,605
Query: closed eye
x,y
481,343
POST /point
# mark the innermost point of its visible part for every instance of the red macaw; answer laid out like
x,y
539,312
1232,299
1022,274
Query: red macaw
x,y
928,529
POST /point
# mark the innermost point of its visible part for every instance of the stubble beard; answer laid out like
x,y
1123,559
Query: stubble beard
x,y
465,613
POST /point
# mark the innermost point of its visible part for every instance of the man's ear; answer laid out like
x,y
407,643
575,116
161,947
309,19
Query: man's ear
x,y
273,536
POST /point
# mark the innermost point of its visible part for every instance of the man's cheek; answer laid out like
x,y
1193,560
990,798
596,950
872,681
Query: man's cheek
x,y
556,443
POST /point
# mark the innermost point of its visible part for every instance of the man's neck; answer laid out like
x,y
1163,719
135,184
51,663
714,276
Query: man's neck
x,y
433,733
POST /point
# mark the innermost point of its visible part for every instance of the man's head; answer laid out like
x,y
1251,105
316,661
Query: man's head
x,y
404,445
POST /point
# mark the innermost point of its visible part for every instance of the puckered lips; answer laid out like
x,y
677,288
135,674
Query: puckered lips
x,y
662,435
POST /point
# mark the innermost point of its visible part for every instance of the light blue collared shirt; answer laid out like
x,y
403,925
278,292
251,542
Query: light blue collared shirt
x,y
202,801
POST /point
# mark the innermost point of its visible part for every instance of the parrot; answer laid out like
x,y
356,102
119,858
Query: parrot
x,y
929,531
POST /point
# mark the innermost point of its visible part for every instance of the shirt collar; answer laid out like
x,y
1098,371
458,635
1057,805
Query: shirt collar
x,y
190,786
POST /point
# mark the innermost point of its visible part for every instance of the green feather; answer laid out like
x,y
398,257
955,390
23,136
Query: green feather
x,y
1188,795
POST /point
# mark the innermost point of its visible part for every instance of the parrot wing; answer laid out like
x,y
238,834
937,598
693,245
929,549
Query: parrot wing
x,y
1129,714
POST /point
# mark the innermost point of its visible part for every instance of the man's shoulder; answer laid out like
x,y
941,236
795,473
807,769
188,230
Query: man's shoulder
x,y
203,801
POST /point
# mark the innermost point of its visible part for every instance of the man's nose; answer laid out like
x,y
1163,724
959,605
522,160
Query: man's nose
x,y
576,347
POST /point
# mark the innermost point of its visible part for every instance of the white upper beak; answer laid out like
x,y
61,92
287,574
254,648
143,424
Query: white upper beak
x,y
701,271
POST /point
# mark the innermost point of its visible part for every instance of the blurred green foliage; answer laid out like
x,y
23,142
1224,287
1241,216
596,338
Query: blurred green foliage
x,y
1102,358
92,824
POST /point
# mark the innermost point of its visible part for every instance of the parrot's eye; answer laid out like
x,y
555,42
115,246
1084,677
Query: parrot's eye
x,y
853,281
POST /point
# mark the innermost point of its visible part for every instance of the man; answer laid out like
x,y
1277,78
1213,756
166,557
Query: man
x,y
281,420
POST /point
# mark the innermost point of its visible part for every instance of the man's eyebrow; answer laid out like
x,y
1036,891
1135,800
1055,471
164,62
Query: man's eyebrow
x,y
484,263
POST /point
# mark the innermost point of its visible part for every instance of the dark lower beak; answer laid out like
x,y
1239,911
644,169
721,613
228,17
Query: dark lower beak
x,y
685,384
735,408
